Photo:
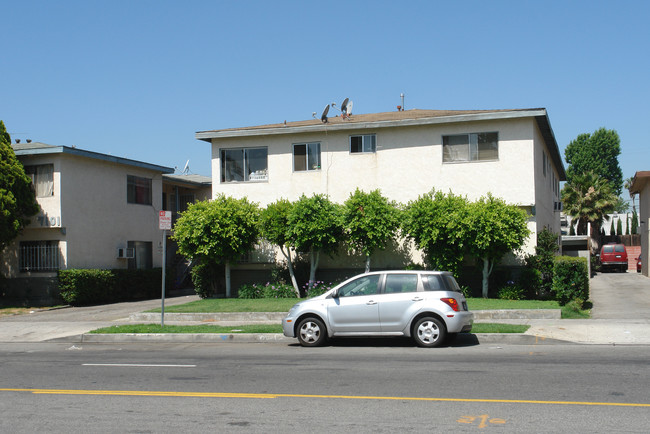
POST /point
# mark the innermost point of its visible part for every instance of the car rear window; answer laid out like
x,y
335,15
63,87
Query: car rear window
x,y
451,283
620,248
608,249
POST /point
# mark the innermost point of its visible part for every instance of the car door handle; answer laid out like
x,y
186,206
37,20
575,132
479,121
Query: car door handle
x,y
371,302
417,299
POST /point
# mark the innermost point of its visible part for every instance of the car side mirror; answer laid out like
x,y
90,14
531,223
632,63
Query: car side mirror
x,y
335,294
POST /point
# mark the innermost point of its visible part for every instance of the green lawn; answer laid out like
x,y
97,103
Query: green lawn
x,y
269,328
211,305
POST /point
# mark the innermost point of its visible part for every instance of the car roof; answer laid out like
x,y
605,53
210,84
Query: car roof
x,y
409,272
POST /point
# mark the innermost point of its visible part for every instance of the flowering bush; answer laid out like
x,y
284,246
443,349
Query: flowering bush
x,y
512,291
278,290
251,291
319,287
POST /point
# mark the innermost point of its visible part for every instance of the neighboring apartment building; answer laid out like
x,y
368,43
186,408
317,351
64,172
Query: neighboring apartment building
x,y
97,211
641,186
512,154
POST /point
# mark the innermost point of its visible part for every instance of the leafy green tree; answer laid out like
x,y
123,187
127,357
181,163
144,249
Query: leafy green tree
x,y
438,224
370,221
612,228
587,198
218,231
17,200
619,227
597,153
495,228
274,227
635,222
315,227
544,259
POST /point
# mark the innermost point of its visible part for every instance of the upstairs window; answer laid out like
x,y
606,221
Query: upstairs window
x,y
470,147
363,144
42,177
244,165
138,190
306,156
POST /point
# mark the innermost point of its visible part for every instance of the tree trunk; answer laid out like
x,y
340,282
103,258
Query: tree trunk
x,y
487,270
314,256
368,264
294,282
227,279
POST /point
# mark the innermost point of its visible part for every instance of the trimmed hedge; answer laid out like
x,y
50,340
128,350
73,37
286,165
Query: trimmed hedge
x,y
91,286
570,280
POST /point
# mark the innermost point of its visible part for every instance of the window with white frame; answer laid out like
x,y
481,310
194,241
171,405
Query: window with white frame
x,y
470,147
38,256
366,143
244,165
306,156
138,190
42,177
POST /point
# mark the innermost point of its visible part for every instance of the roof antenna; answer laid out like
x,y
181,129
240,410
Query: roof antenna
x,y
323,117
346,108
186,169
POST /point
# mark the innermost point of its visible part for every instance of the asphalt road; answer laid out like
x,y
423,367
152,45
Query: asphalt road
x,y
362,386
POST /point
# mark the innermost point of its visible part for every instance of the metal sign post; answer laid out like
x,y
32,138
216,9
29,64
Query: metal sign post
x,y
164,223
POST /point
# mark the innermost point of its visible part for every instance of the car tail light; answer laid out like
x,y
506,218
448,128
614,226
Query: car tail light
x,y
452,303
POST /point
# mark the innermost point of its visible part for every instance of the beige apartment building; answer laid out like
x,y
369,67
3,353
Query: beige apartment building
x,y
97,211
512,154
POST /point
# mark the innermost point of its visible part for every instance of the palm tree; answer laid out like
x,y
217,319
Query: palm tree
x,y
587,198
628,185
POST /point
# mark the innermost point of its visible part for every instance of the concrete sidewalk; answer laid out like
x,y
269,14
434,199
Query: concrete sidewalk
x,y
621,316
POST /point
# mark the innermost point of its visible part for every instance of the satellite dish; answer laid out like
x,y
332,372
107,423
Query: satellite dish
x,y
344,106
186,168
323,117
348,111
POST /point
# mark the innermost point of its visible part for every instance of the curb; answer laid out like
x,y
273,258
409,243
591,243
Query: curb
x,y
479,315
463,339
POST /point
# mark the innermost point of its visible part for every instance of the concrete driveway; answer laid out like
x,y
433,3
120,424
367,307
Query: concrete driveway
x,y
622,296
43,325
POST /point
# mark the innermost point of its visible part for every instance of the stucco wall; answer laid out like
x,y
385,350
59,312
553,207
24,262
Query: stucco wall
x,y
408,162
98,218
644,228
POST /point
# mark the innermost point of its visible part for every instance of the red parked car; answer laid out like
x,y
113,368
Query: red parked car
x,y
638,264
613,257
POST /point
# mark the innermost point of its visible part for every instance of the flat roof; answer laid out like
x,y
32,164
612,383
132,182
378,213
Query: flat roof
x,y
640,179
414,117
193,180
38,148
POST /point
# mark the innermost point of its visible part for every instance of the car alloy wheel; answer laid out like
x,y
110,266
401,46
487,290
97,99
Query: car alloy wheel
x,y
429,332
311,332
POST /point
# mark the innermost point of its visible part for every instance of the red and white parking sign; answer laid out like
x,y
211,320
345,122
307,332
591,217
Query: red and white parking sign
x,y
165,220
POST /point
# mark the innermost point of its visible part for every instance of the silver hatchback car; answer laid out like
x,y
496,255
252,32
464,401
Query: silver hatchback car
x,y
425,305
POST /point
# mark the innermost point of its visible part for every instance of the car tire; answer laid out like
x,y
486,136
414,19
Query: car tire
x,y
311,332
429,332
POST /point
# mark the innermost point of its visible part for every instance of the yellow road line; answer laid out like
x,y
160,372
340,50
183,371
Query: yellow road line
x,y
291,395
